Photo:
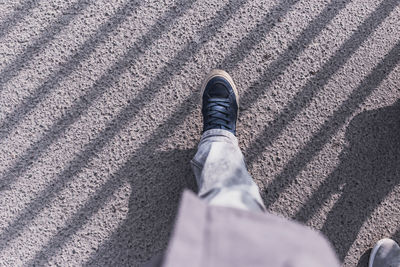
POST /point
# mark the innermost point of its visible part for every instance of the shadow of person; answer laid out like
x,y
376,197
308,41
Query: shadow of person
x,y
369,169
157,180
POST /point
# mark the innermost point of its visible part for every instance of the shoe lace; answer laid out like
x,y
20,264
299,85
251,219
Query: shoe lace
x,y
217,112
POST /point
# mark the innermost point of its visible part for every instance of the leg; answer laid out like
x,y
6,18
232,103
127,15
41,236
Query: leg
x,y
207,234
218,165
221,173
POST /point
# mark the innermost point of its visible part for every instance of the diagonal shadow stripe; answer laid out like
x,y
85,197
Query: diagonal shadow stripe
x,y
12,69
330,128
312,87
17,15
97,90
289,55
112,128
75,223
83,52
91,149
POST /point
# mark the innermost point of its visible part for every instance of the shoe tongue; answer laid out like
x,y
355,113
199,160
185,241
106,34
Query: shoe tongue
x,y
219,90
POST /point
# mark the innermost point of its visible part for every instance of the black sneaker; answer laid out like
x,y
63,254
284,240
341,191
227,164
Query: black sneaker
x,y
220,102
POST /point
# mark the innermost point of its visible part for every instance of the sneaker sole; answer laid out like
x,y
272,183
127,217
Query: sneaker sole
x,y
375,250
224,74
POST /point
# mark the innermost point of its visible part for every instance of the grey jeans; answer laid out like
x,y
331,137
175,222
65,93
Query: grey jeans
x,y
221,173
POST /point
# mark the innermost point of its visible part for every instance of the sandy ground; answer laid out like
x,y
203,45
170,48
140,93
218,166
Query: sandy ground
x,y
99,118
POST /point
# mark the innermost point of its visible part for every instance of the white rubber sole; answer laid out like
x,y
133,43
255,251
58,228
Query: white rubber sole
x,y
224,74
375,250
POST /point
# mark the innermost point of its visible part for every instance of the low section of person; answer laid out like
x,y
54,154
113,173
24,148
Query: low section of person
x,y
226,224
